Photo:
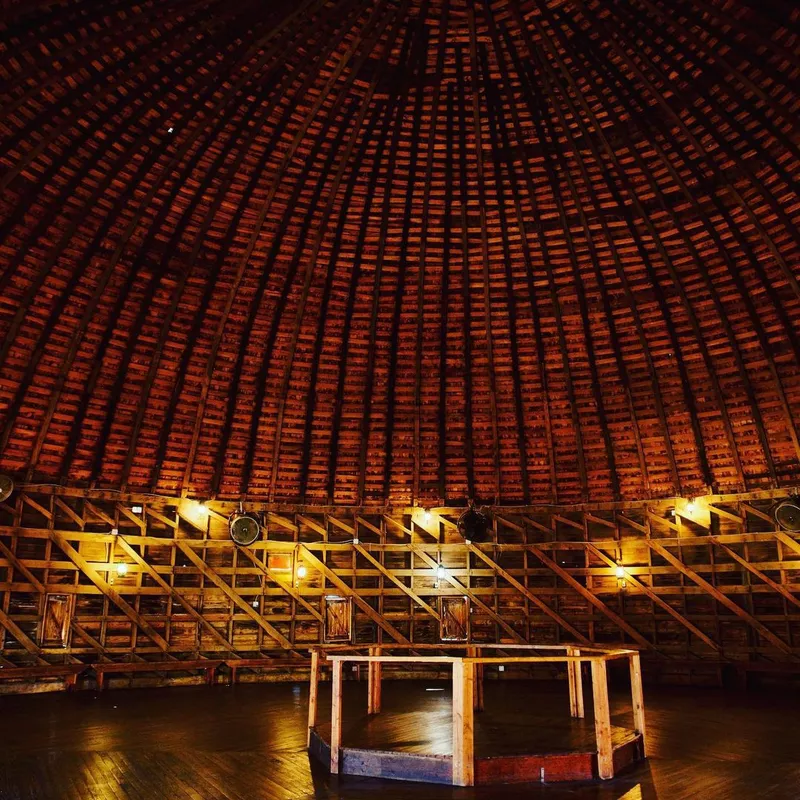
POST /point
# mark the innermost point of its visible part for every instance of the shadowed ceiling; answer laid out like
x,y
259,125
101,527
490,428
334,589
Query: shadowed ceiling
x,y
385,251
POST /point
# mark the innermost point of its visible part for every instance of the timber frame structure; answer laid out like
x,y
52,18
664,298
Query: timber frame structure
x,y
696,588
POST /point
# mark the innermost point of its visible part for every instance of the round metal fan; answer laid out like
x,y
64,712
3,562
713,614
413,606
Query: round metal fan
x,y
474,525
787,514
244,530
6,487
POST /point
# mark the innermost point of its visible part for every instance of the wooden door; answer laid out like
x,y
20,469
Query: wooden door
x,y
454,626
56,619
338,619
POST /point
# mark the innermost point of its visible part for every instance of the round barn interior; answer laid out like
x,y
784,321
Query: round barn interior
x,y
423,326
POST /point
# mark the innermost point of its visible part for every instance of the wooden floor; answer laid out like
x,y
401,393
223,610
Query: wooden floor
x,y
248,743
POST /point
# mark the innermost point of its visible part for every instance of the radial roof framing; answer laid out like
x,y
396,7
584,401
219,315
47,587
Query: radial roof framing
x,y
401,250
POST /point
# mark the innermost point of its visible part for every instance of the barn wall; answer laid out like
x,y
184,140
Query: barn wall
x,y
707,588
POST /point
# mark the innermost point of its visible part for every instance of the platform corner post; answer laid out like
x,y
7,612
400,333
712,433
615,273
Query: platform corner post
x,y
463,716
313,692
575,681
637,699
374,675
336,715
602,719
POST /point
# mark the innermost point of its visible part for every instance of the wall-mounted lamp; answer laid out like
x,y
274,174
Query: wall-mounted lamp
x,y
137,509
122,569
619,571
302,571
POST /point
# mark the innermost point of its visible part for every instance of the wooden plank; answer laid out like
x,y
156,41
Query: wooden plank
x,y
20,635
18,565
134,518
151,512
397,582
782,590
99,514
789,541
108,590
656,599
463,723
719,597
538,602
28,500
271,574
591,598
78,520
637,699
313,524
176,595
374,675
453,581
313,694
602,720
232,595
336,716
346,590
575,680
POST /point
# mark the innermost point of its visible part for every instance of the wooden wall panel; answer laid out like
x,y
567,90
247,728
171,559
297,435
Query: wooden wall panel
x,y
547,576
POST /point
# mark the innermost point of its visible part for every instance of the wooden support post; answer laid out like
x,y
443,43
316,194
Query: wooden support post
x,y
602,720
374,672
336,716
313,692
637,697
463,734
477,695
575,680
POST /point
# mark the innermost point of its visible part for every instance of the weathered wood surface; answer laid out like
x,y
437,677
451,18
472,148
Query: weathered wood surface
x,y
61,746
700,589
385,253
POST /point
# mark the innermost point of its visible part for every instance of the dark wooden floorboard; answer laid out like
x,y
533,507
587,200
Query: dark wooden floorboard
x,y
248,742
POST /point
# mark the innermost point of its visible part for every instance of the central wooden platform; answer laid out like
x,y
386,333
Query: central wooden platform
x,y
418,746
449,743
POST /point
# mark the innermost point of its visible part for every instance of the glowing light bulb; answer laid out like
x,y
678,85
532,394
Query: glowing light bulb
x,y
427,516
441,572
122,569
620,572
136,509
170,129
691,507
302,571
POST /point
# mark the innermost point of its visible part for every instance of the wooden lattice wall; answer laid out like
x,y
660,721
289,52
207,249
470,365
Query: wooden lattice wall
x,y
704,584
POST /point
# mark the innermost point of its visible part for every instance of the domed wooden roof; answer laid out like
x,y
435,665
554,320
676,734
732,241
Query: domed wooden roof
x,y
393,251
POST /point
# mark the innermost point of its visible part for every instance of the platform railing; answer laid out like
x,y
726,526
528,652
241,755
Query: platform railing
x,y
467,695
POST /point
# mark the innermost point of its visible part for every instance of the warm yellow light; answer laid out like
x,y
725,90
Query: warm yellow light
x,y
302,571
620,572
441,572
691,507
427,516
122,569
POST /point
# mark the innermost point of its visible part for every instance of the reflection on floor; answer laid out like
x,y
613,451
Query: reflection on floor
x,y
248,743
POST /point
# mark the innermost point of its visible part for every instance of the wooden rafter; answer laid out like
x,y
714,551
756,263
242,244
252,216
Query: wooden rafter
x,y
719,597
232,595
103,585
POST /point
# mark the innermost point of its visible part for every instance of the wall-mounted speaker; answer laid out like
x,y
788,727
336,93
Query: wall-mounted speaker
x,y
787,514
474,525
